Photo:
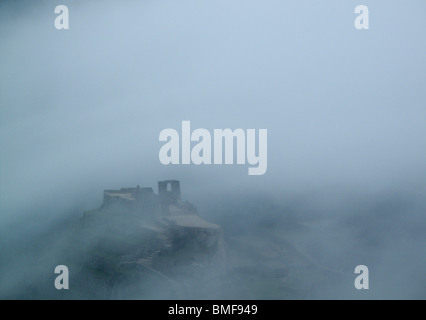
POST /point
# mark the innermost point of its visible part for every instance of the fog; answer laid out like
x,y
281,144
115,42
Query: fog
x,y
81,111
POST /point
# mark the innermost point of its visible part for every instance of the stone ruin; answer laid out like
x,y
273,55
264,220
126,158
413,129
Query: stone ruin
x,y
156,232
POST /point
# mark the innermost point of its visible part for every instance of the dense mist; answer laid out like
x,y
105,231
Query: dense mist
x,y
81,111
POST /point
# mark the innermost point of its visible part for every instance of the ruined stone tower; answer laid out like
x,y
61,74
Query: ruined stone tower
x,y
169,193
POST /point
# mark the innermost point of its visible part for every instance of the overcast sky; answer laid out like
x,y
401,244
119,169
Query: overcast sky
x,y
81,109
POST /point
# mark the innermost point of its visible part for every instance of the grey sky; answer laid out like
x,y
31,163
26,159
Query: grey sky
x,y
81,110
